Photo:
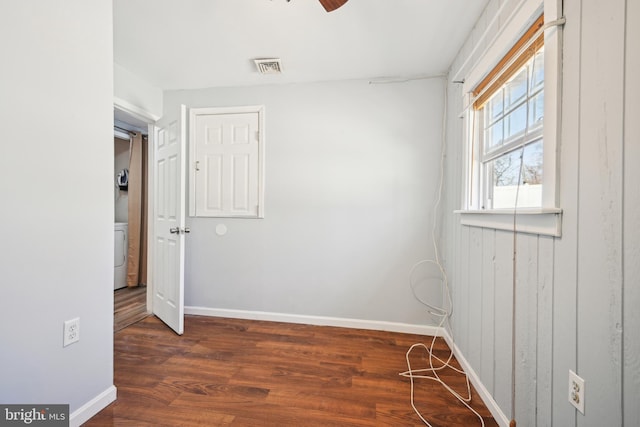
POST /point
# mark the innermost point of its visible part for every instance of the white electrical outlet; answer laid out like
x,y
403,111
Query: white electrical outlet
x,y
71,331
576,391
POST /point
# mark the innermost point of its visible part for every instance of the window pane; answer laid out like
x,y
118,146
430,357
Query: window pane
x,y
505,169
537,74
503,177
493,136
494,107
516,89
532,168
515,122
536,110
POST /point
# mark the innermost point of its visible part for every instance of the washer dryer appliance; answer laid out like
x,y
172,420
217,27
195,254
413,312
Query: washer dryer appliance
x,y
121,241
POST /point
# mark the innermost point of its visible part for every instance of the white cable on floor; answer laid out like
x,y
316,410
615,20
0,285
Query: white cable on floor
x,y
431,372
444,313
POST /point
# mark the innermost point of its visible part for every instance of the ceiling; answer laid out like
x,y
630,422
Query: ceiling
x,y
188,44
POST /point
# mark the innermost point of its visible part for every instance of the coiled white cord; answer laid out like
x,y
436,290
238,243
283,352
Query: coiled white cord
x,y
444,313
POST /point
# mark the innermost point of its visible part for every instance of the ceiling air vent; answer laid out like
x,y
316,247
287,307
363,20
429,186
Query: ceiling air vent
x,y
268,66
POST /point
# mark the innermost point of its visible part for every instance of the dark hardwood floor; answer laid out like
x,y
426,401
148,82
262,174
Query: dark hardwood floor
x,y
229,372
129,306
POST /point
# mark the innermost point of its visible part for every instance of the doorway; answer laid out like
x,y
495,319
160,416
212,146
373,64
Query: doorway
x,y
131,302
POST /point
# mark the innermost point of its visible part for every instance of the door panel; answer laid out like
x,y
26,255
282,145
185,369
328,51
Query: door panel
x,y
227,157
240,182
213,182
169,220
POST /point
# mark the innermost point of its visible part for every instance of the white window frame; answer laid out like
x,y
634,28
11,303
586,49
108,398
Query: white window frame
x,y
547,219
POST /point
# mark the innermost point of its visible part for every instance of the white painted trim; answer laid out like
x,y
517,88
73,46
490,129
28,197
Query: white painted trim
x,y
546,222
484,394
134,110
151,141
374,325
552,103
92,407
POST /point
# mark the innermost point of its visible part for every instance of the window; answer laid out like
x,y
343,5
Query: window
x,y
508,129
511,140
512,128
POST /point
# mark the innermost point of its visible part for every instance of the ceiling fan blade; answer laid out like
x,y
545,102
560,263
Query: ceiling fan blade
x,y
330,5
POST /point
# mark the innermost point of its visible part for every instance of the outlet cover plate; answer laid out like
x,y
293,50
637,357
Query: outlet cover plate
x,y
576,391
71,331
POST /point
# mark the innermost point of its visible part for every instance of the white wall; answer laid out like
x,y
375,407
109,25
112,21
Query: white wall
x,y
57,200
576,296
351,175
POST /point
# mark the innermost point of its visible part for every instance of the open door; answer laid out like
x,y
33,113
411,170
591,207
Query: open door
x,y
169,219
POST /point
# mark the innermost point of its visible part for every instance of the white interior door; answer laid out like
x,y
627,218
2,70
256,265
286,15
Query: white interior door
x,y
169,219
227,153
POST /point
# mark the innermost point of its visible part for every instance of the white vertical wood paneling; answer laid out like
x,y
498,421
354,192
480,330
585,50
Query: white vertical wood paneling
x,y
544,357
454,277
487,366
600,206
503,319
578,293
463,301
475,297
631,291
526,327
452,182
451,196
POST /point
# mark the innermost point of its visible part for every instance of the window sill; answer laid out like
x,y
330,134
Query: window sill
x,y
546,221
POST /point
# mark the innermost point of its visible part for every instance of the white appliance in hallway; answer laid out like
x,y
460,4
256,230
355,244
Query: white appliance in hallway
x,y
121,241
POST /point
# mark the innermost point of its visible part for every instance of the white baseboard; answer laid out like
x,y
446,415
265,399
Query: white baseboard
x,y
486,397
92,407
375,325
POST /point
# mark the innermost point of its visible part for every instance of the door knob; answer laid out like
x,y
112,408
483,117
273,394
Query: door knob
x,y
174,230
186,230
